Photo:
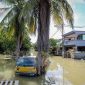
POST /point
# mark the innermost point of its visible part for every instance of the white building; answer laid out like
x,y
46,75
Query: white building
x,y
74,41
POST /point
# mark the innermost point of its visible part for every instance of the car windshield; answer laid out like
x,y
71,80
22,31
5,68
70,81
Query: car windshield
x,y
26,62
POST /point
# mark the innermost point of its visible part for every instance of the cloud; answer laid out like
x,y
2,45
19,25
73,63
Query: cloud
x,y
76,1
79,11
73,3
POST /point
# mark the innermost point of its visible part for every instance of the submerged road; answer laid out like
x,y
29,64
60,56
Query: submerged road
x,y
61,71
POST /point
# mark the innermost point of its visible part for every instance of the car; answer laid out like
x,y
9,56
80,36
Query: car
x,y
26,65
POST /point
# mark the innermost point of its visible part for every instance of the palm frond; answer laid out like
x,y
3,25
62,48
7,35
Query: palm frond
x,y
62,9
28,9
29,14
32,25
67,11
56,12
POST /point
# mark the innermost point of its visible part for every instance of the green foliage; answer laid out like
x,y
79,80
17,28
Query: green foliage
x,y
61,10
14,20
35,46
26,45
8,43
25,14
53,43
54,46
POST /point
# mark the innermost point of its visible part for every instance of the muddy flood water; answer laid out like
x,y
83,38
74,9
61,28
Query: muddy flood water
x,y
61,71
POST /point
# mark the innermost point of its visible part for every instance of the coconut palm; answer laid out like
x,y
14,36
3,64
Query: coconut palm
x,y
36,15
12,20
40,14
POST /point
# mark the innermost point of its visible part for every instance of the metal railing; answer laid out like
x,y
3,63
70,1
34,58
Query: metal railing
x,y
9,82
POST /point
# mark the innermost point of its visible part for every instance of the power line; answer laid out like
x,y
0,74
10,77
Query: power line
x,y
69,26
66,26
79,26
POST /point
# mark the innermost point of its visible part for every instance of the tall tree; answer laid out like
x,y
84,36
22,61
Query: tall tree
x,y
14,21
36,14
60,9
42,9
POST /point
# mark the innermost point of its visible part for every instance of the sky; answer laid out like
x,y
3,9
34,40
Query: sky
x,y
78,7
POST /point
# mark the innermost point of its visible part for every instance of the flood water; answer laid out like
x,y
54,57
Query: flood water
x,y
61,71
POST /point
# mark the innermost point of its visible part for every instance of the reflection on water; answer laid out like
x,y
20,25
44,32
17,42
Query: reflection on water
x,y
6,69
56,77
61,71
73,70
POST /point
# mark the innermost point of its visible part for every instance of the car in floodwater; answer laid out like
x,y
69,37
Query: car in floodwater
x,y
26,65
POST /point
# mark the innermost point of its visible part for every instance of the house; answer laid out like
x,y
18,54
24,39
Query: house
x,y
74,43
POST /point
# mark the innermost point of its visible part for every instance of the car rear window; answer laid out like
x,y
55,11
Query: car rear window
x,y
26,62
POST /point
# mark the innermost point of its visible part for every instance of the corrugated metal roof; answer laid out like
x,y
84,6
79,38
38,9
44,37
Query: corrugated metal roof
x,y
4,9
3,14
73,32
3,5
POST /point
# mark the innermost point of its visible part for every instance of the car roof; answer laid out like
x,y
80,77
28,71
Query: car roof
x,y
27,57
30,56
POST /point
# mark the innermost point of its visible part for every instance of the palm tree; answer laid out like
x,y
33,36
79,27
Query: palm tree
x,y
36,15
42,9
14,21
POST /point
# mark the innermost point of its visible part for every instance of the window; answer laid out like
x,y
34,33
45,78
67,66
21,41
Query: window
x,y
81,37
26,62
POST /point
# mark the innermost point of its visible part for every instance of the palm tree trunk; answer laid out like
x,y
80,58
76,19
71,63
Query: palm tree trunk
x,y
18,36
17,46
43,30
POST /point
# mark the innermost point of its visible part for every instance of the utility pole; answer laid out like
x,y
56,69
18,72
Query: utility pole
x,y
62,33
62,40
